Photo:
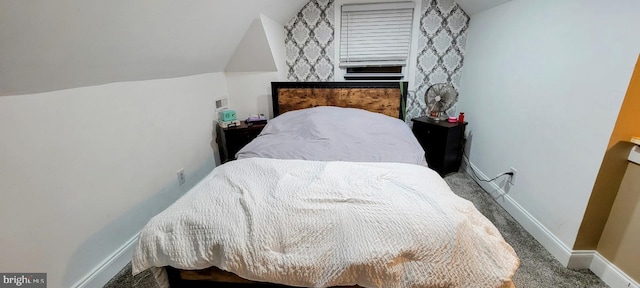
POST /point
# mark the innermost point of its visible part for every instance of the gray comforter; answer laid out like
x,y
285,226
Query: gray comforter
x,y
336,134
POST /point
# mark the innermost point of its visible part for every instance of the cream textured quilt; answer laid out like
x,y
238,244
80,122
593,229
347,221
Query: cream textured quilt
x,y
318,224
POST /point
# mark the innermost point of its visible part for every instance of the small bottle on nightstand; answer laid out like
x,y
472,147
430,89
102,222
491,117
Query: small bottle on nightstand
x,y
461,117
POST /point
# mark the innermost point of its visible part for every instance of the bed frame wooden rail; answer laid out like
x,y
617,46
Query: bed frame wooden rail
x,y
388,98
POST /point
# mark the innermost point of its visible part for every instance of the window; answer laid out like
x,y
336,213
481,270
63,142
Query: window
x,y
375,40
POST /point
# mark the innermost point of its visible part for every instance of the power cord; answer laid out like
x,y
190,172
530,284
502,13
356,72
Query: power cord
x,y
492,179
478,177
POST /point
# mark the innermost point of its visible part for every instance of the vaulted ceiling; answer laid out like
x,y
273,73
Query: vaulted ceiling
x,y
477,6
51,45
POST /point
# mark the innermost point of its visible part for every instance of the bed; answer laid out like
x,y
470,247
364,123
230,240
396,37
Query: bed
x,y
333,192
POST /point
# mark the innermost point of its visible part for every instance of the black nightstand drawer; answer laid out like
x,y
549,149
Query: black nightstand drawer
x,y
442,141
231,140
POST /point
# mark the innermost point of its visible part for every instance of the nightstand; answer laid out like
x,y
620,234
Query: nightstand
x,y
442,141
231,140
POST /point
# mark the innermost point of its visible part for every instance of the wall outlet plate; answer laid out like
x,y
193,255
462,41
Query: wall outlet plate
x,y
181,178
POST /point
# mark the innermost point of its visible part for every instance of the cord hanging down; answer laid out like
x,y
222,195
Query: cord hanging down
x,y
492,179
485,180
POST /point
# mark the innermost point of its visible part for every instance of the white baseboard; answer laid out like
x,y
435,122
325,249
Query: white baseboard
x,y
581,259
548,240
574,259
611,274
102,273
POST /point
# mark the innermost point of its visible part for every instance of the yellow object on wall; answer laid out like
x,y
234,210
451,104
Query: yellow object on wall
x,y
628,123
601,210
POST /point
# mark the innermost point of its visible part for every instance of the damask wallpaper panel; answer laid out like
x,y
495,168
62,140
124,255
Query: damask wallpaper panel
x,y
309,43
443,28
441,42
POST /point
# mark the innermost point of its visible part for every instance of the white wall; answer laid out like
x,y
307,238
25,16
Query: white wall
x,y
82,170
253,54
275,35
250,92
541,87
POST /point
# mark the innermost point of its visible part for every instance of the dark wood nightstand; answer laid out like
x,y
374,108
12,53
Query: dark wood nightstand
x,y
231,140
442,141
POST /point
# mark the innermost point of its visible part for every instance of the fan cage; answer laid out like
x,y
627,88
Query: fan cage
x,y
437,104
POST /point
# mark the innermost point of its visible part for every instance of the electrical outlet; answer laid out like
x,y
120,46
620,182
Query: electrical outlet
x,y
181,178
512,179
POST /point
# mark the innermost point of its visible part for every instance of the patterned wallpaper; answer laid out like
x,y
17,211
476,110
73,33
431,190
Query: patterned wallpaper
x,y
309,43
443,33
443,29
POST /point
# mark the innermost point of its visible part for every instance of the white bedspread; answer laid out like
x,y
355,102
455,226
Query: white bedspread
x,y
318,224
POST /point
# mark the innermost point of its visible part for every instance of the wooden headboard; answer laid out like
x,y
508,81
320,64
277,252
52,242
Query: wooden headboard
x,y
381,97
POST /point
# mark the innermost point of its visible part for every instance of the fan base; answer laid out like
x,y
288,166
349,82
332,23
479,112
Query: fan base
x,y
438,116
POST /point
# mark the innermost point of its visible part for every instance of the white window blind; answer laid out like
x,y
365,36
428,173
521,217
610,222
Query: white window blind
x,y
376,34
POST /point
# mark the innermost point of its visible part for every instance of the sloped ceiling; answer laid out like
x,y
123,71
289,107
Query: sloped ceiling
x,y
477,6
51,45
253,53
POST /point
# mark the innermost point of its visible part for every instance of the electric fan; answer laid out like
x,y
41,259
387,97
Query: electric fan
x,y
440,98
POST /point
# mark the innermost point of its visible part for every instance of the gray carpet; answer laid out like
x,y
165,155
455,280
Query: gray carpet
x,y
537,267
